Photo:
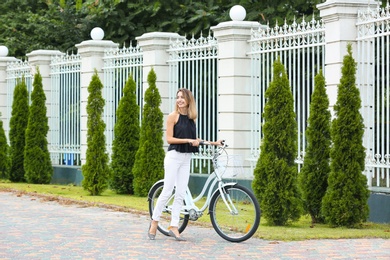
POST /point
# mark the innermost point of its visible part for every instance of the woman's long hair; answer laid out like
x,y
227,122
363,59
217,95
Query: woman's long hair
x,y
189,98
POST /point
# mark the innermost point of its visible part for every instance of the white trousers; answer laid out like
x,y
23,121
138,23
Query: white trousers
x,y
176,173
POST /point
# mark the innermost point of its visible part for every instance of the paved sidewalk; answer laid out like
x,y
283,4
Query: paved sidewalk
x,y
31,229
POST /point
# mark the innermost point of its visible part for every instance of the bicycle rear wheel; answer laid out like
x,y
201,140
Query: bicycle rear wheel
x,y
165,218
241,221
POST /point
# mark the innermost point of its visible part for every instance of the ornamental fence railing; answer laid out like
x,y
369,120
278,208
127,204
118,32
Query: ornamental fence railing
x,y
301,49
193,65
64,112
119,65
373,70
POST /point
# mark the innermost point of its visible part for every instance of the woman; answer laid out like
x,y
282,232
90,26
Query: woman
x,y
182,140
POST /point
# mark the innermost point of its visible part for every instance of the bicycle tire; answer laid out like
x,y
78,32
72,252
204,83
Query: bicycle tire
x,y
164,223
240,226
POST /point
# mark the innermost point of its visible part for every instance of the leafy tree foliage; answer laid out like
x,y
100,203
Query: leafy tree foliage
x,y
313,177
37,163
125,20
279,11
79,4
345,201
4,148
149,161
126,141
275,176
17,132
45,23
96,171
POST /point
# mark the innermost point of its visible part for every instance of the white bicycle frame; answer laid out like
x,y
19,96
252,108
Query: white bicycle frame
x,y
190,206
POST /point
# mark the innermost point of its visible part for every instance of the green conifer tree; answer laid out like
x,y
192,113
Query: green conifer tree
x,y
37,163
4,158
126,141
313,178
96,171
17,132
345,201
275,176
149,162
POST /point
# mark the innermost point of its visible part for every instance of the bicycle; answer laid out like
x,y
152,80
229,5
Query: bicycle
x,y
234,210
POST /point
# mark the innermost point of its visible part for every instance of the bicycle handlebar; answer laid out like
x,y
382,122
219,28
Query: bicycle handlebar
x,y
208,143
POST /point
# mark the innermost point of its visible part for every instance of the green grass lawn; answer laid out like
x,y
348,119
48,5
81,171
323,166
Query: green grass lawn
x,y
300,230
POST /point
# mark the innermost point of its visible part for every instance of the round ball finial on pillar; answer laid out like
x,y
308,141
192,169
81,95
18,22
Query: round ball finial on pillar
x,y
237,13
3,51
97,34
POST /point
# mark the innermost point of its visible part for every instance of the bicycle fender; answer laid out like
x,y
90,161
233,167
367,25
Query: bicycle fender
x,y
154,185
224,185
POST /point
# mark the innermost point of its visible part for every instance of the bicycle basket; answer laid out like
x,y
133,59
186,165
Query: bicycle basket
x,y
230,166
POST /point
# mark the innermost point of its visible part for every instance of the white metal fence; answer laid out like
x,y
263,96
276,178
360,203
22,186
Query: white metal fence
x,y
300,48
373,80
119,65
16,71
193,65
64,110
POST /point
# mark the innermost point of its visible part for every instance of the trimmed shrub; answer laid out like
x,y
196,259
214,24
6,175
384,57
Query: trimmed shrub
x,y
149,161
126,141
96,171
313,177
346,200
17,132
37,163
275,176
4,159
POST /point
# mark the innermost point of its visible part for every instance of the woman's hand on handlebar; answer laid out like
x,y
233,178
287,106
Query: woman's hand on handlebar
x,y
194,142
217,143
220,142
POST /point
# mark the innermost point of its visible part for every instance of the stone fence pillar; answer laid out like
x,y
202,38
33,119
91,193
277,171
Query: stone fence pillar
x,y
155,56
234,86
92,53
340,17
41,59
4,110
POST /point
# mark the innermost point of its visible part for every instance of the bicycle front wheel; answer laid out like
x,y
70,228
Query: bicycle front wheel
x,y
237,218
165,219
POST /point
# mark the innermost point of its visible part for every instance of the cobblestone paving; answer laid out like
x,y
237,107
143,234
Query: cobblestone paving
x,y
31,229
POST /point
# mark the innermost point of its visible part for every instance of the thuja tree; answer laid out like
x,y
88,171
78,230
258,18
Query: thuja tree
x,y
126,141
17,132
4,159
96,171
149,162
275,176
37,163
345,201
313,177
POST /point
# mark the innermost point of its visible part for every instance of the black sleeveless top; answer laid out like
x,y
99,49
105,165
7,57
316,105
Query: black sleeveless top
x,y
184,128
